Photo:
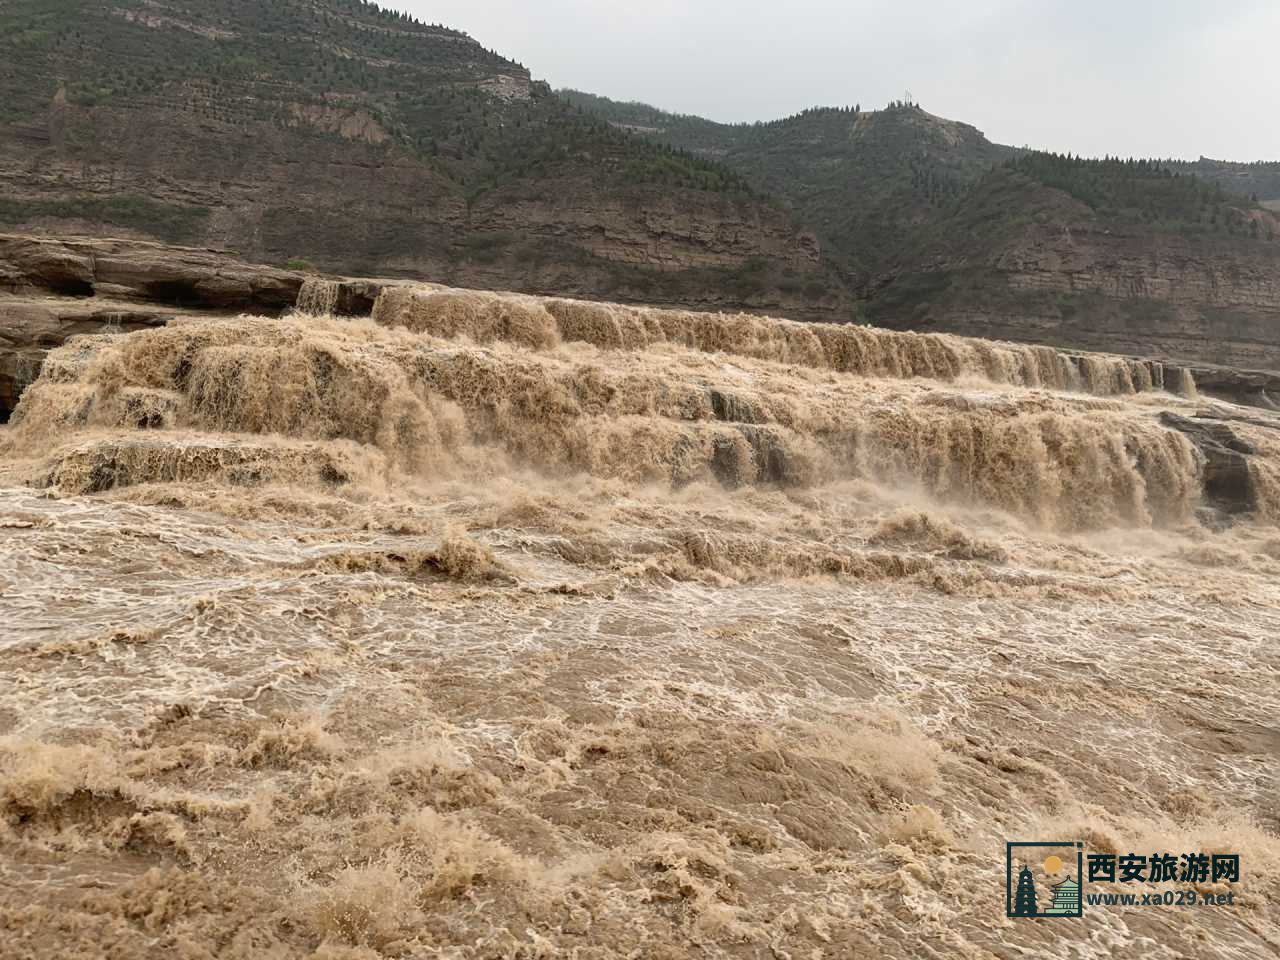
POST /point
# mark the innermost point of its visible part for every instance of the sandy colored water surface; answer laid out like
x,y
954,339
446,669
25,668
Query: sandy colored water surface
x,y
477,632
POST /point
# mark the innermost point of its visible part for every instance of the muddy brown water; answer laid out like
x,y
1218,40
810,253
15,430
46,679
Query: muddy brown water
x,y
477,633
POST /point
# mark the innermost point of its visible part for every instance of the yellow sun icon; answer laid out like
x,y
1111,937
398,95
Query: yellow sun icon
x,y
1052,864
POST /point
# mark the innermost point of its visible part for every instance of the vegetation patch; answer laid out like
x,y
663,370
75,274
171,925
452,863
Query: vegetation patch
x,y
165,221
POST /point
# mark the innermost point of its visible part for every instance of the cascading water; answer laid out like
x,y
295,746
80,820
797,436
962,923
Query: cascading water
x,y
503,626
318,297
847,348
436,411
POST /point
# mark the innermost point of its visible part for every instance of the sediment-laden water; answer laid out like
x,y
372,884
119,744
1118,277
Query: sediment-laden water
x,y
501,627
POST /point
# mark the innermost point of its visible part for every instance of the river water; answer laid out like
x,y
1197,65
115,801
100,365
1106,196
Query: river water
x,y
479,632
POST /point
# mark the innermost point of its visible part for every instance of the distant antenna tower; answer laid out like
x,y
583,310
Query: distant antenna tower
x,y
910,100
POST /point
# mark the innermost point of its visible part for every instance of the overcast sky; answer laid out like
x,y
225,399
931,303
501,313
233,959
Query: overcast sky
x,y
1133,77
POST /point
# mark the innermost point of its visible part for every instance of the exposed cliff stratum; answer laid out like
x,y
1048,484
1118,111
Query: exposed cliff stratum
x,y
359,140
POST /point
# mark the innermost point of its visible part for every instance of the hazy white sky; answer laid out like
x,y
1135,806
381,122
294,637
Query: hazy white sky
x,y
1142,77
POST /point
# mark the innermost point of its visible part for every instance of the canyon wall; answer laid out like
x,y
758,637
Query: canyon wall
x,y
1066,281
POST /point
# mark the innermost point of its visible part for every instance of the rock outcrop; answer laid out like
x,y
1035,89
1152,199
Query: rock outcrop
x,y
32,326
1251,388
138,270
1228,477
53,289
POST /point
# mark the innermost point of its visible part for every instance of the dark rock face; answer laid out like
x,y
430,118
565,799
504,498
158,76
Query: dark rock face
x,y
136,270
347,297
1228,481
53,289
774,462
733,408
357,297
1250,388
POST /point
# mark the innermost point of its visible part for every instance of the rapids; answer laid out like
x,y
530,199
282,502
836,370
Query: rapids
x,y
498,626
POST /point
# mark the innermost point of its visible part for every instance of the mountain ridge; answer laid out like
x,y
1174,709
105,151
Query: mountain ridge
x,y
860,177
331,132
335,136
937,228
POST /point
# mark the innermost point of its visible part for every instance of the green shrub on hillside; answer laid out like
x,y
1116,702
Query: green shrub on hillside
x,y
1146,192
170,222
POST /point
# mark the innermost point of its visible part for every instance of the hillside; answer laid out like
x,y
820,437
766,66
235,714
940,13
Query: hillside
x,y
862,178
331,133
938,228
1123,256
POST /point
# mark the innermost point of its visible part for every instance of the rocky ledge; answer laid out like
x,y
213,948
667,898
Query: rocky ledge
x,y
1230,482
142,271
1250,388
52,289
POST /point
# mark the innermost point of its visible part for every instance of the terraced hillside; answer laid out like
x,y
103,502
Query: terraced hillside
x,y
865,179
331,133
938,228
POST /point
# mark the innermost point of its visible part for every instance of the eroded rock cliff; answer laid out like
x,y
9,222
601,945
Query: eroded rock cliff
x,y
362,142
1060,274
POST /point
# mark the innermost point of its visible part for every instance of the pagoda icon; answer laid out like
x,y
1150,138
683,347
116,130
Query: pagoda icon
x,y
1066,898
1024,901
